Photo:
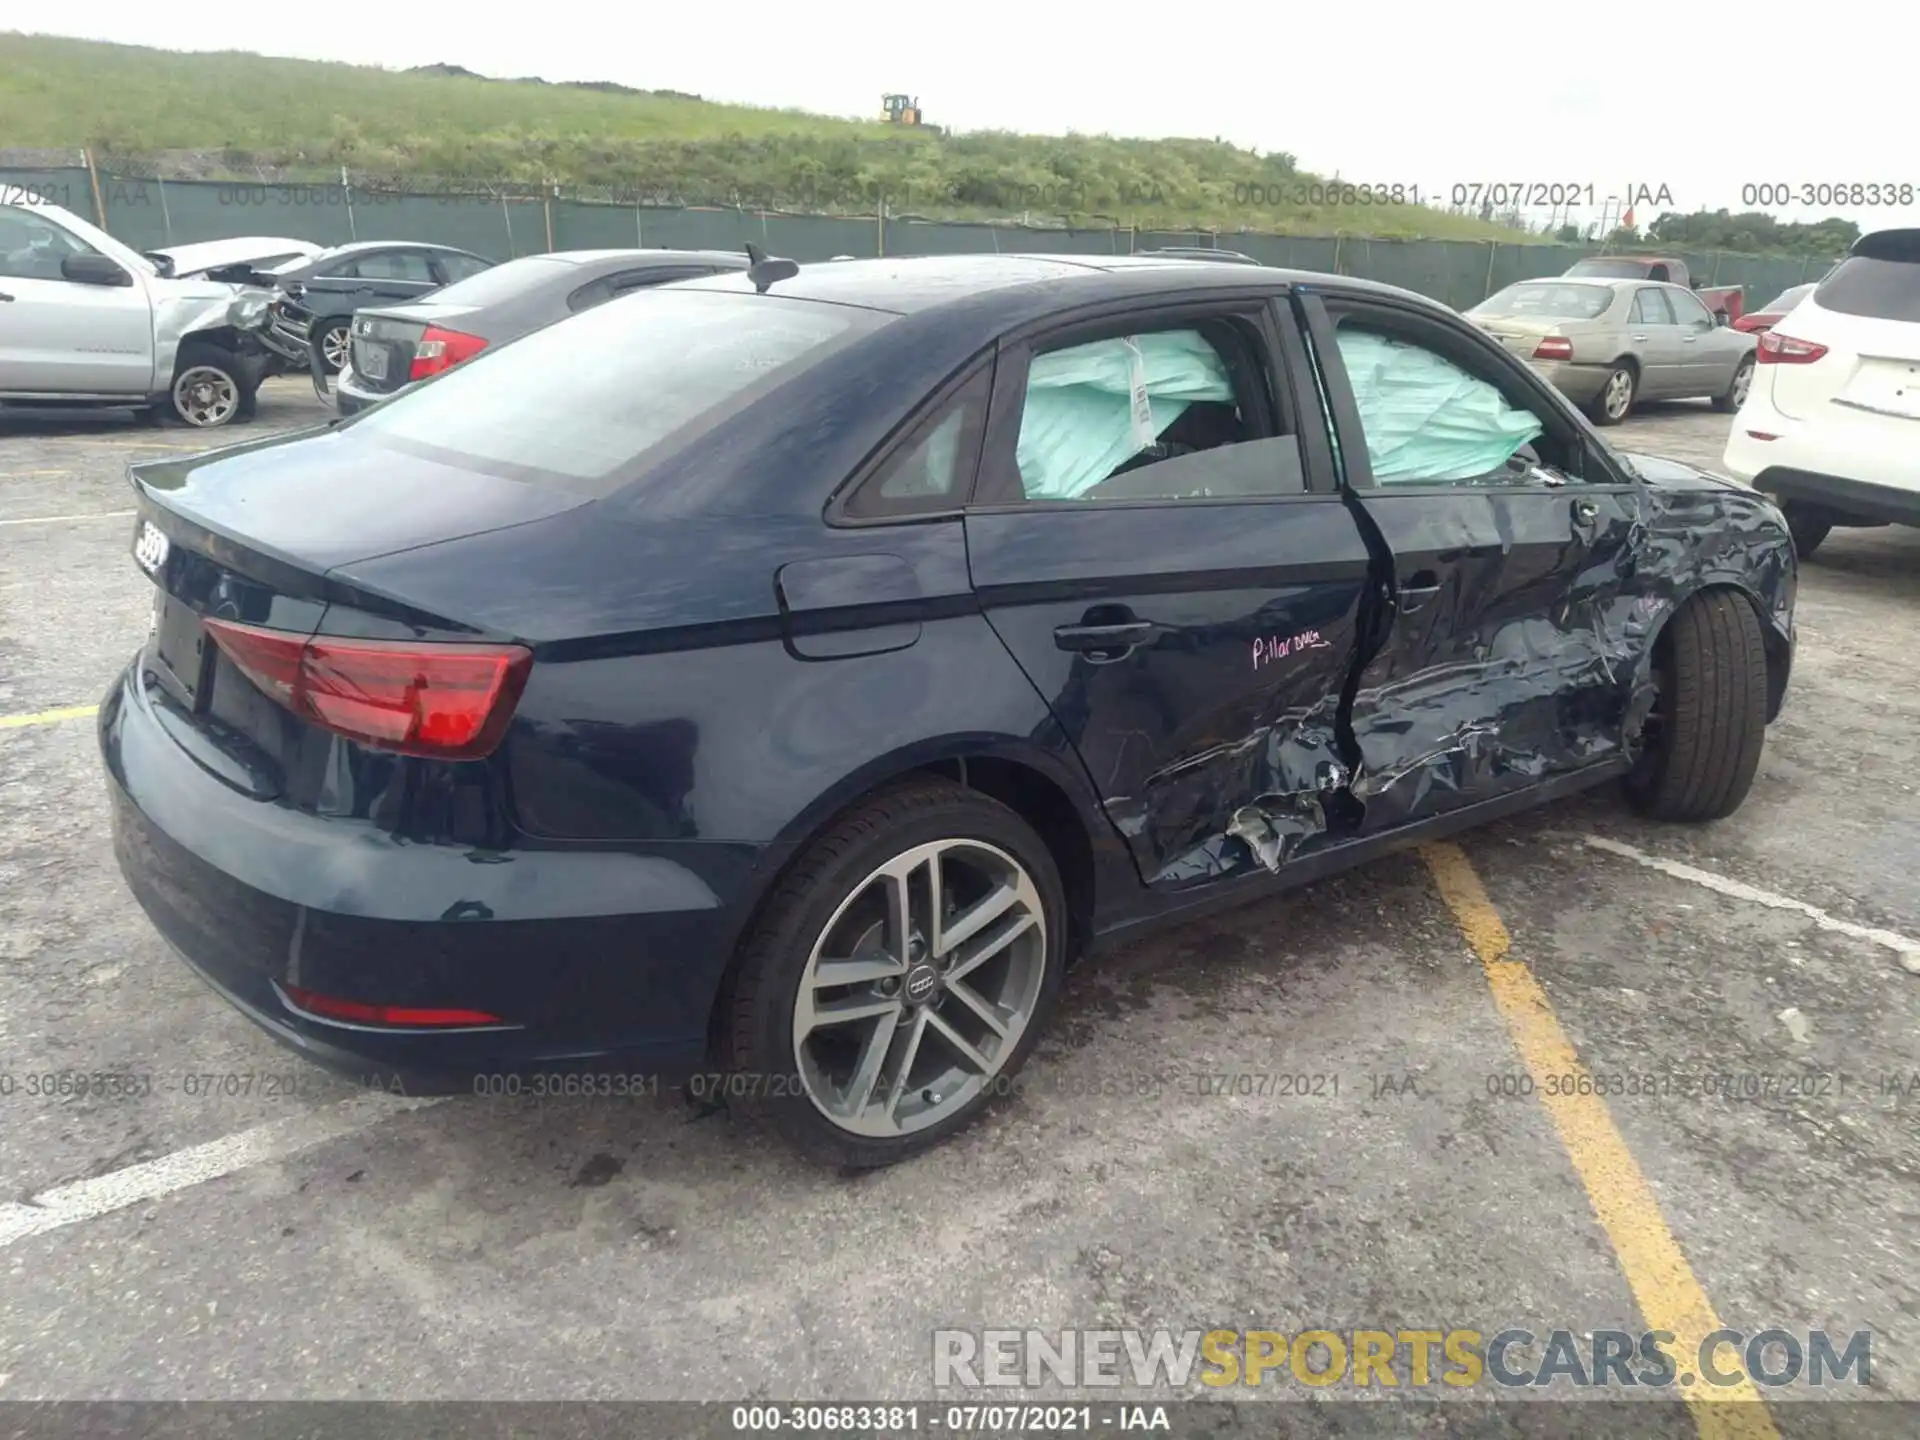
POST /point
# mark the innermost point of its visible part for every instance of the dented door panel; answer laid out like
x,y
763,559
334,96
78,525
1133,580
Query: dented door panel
x,y
1217,717
1510,649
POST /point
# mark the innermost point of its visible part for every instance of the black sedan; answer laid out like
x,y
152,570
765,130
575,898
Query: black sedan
x,y
308,318
784,676
395,345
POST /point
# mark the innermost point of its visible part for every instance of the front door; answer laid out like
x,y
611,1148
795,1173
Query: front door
x,y
58,336
1168,559
1501,664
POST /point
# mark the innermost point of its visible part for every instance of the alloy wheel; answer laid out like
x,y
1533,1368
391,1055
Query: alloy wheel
x,y
917,992
1742,382
205,396
1619,393
333,347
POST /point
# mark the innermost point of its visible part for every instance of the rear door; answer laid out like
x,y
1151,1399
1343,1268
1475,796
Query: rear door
x,y
1157,538
1500,663
1654,335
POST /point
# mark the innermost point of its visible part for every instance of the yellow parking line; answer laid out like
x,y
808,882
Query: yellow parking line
x,y
48,717
1663,1284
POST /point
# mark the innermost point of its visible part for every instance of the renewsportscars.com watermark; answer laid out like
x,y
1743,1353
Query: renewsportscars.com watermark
x,y
1377,1359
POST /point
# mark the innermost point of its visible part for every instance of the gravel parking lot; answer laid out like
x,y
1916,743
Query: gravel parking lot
x,y
287,1236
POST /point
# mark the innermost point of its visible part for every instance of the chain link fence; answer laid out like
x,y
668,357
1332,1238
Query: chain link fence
x,y
146,207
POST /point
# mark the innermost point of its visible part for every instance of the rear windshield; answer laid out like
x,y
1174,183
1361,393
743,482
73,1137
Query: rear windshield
x,y
1610,269
1785,300
1572,302
1883,289
502,282
575,404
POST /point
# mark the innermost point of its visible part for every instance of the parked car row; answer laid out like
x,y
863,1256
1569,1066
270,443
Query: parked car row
x,y
786,673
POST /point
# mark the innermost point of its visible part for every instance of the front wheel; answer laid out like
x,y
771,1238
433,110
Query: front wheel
x,y
1701,745
210,387
331,343
1615,400
1735,395
898,977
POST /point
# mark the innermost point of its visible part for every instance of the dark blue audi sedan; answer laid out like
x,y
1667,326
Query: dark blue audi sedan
x,y
786,675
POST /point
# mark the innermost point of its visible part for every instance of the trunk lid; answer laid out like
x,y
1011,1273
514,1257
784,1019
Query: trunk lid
x,y
253,534
384,342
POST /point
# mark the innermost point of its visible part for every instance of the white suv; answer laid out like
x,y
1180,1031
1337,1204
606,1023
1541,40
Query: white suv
x,y
1831,424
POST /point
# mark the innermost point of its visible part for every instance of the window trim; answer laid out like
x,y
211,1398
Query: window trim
x,y
903,435
1473,351
1252,308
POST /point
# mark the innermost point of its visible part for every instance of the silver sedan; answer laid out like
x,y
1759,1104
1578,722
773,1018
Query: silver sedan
x,y
1607,344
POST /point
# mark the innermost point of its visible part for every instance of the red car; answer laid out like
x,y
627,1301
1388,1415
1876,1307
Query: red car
x,y
1775,310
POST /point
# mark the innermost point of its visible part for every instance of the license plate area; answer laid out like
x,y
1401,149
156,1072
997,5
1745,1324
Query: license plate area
x,y
370,359
181,651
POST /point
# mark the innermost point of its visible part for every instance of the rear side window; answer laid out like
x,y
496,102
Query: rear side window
x,y
462,267
1175,414
390,265
574,404
932,469
1650,308
1881,289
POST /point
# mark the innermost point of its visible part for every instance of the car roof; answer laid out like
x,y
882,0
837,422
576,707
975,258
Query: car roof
x,y
732,259
1005,290
358,247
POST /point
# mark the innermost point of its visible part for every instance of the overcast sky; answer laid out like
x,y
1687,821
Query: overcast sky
x,y
1701,100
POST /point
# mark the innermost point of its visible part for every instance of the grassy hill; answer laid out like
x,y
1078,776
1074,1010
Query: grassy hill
x,y
307,118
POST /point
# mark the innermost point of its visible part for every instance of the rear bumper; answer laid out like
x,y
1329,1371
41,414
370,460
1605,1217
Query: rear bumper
x,y
351,396
1866,469
1579,383
600,962
1840,499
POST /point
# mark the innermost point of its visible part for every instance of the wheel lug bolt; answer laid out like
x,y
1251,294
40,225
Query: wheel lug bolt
x,y
890,986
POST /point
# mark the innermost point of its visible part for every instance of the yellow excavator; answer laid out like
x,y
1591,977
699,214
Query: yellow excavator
x,y
903,109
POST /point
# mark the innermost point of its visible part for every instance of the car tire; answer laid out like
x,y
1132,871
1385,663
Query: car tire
x,y
210,387
1728,401
1702,742
1808,527
1615,400
791,1072
330,342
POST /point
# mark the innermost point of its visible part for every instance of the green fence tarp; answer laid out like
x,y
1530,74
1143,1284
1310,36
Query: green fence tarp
x,y
147,213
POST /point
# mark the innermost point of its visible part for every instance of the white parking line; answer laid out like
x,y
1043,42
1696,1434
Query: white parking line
x,y
52,519
183,1169
1908,950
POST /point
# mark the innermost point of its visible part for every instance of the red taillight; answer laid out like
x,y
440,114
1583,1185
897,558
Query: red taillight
x,y
451,702
1554,347
439,350
327,1007
1777,349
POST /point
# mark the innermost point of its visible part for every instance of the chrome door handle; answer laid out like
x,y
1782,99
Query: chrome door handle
x,y
1640,338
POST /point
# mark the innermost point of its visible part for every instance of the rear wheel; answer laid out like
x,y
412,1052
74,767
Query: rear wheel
x,y
1615,400
1808,526
1703,738
1735,395
898,977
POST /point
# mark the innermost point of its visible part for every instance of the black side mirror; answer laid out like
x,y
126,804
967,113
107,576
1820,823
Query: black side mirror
x,y
94,270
